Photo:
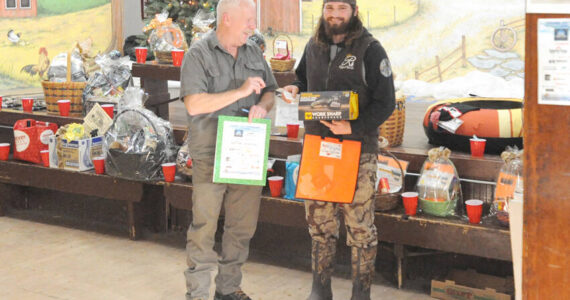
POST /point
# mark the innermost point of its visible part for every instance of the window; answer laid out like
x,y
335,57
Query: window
x,y
25,4
10,4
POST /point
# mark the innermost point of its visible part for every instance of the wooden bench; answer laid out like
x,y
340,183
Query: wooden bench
x,y
15,176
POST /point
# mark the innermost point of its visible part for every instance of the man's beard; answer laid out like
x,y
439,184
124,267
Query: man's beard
x,y
336,29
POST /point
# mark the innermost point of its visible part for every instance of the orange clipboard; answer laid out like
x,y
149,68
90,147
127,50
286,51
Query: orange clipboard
x,y
328,169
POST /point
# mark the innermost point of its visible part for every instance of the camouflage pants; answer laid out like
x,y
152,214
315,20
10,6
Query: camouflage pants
x,y
323,217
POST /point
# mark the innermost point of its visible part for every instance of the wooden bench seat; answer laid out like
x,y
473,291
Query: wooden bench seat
x,y
24,174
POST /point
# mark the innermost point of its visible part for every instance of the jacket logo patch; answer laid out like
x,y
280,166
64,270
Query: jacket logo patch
x,y
385,68
348,63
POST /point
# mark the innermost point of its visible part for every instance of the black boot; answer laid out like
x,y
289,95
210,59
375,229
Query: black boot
x,y
322,256
362,271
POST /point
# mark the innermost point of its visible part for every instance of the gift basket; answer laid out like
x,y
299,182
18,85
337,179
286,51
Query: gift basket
x,y
282,60
107,85
138,142
439,189
509,176
393,128
202,23
165,37
390,179
74,146
66,81
30,137
183,159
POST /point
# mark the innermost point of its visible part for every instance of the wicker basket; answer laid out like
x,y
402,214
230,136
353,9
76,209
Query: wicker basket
x,y
282,65
393,128
163,57
73,91
389,201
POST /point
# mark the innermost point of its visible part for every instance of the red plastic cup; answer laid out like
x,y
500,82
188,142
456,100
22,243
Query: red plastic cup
x,y
474,210
177,56
292,130
108,109
64,107
45,157
410,200
0,102
99,163
477,147
141,53
4,151
28,104
275,185
169,170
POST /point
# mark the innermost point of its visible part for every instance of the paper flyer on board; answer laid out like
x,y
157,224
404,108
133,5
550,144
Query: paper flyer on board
x,y
553,61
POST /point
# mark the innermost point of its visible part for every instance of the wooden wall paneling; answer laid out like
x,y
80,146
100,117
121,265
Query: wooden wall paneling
x,y
280,15
546,233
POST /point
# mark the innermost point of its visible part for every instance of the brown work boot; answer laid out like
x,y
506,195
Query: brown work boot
x,y
237,295
322,256
362,271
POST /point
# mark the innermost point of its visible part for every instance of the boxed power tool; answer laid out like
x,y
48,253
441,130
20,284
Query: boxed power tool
x,y
330,105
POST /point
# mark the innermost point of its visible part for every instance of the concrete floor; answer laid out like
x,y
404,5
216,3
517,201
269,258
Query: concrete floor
x,y
40,261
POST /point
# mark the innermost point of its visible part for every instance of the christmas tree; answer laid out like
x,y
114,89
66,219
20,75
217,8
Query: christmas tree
x,y
181,12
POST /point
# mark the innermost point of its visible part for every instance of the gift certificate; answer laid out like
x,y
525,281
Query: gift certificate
x,y
241,150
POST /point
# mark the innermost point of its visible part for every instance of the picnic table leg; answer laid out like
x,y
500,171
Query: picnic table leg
x,y
11,192
400,256
159,97
2,208
134,225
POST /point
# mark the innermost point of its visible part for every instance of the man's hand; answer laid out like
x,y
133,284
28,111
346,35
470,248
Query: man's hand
x,y
338,127
257,112
293,89
252,84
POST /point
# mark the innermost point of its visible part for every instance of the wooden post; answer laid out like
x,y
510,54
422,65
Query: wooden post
x,y
438,63
464,50
546,189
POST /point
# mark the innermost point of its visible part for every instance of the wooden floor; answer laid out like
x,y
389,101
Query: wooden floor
x,y
41,261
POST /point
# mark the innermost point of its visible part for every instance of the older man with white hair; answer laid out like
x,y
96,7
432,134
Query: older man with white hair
x,y
222,74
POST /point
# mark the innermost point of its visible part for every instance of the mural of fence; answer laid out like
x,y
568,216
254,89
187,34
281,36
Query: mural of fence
x,y
458,55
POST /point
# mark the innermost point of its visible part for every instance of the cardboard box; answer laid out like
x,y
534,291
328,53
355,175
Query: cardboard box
x,y
470,285
337,105
74,155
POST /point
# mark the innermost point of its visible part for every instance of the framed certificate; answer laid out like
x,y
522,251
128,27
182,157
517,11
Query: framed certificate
x,y
241,150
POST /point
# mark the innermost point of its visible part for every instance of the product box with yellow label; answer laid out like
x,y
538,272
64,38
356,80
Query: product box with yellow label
x,y
74,155
330,105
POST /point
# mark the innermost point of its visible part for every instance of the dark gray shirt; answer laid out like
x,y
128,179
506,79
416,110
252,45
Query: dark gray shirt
x,y
209,68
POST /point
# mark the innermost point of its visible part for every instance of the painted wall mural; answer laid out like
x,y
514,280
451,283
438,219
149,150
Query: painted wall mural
x,y
434,42
34,31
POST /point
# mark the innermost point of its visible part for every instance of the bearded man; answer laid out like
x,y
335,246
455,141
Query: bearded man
x,y
342,55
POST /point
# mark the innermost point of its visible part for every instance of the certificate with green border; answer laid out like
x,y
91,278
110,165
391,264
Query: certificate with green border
x,y
241,150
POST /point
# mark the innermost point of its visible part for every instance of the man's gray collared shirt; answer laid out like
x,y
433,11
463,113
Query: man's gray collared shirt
x,y
209,68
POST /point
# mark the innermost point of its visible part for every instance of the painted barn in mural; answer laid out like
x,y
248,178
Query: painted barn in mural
x,y
18,8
